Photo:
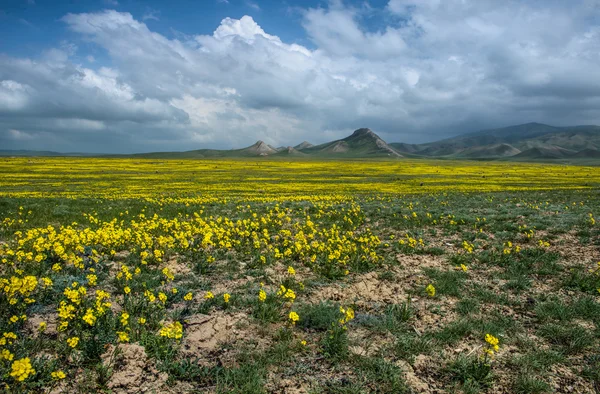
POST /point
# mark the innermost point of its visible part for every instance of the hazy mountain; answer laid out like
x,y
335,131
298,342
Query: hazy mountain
x,y
531,141
257,149
290,152
303,145
549,152
362,143
526,141
39,153
488,151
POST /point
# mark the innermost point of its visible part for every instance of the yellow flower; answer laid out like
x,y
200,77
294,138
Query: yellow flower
x,y
162,297
42,326
430,290
290,295
168,274
349,314
72,342
188,297
173,330
209,295
6,355
291,270
126,290
226,297
142,320
89,317
303,342
262,295
493,342
58,375
22,369
92,279
123,336
464,267
124,318
293,316
174,290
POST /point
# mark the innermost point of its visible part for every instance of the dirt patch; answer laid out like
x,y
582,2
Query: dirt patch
x,y
33,324
427,318
573,252
368,289
132,372
564,380
177,268
217,338
206,332
367,344
230,286
287,386
412,380
365,291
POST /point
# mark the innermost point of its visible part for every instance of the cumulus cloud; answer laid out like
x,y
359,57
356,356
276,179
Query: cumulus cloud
x,y
427,69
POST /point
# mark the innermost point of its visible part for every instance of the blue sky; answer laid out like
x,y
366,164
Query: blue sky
x,y
133,76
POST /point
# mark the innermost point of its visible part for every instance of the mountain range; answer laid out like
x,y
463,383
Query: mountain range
x,y
526,142
522,142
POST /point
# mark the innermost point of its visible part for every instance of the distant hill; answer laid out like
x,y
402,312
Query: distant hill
x,y
38,153
303,145
588,154
547,152
522,142
490,151
526,142
362,143
257,149
289,152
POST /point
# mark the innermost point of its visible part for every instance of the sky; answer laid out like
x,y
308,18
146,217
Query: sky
x,y
125,76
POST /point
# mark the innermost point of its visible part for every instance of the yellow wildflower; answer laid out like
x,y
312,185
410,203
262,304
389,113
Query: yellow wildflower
x,y
72,342
123,336
293,316
6,355
262,295
58,375
124,319
22,369
430,290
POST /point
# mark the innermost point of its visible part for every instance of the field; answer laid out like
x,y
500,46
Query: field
x,y
255,276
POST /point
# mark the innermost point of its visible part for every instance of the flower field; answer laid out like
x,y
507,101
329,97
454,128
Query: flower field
x,y
256,276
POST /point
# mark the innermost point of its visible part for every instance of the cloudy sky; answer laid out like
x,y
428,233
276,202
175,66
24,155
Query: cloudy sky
x,y
133,76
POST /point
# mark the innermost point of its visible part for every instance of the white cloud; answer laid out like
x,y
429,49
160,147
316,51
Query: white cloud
x,y
438,67
337,32
253,5
151,14
18,135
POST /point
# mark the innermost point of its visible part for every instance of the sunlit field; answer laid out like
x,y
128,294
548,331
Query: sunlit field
x,y
266,276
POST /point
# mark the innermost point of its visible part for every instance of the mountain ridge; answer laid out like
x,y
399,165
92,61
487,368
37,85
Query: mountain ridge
x,y
525,142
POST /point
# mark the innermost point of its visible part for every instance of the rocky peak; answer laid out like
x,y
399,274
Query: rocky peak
x,y
363,132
